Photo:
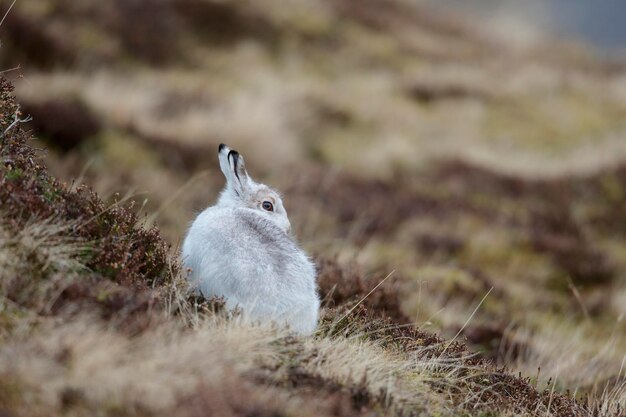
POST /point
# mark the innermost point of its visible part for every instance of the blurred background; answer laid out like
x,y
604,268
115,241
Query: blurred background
x,y
598,24
472,146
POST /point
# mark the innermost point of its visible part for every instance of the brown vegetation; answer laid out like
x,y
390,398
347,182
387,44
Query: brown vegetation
x,y
107,240
80,256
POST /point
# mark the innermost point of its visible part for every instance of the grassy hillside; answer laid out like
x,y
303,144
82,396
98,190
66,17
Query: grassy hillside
x,y
484,168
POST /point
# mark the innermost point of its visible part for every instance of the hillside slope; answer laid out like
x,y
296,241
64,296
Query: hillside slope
x,y
94,321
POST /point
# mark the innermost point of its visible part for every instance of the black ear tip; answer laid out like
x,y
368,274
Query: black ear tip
x,y
221,147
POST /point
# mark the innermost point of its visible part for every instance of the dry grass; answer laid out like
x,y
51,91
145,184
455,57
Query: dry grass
x,y
189,355
45,253
177,356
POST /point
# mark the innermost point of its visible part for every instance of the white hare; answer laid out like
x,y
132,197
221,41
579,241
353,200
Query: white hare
x,y
241,249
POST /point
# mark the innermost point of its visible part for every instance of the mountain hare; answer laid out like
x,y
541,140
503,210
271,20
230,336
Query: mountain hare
x,y
241,249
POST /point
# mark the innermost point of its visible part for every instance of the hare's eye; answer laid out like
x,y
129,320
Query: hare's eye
x,y
267,206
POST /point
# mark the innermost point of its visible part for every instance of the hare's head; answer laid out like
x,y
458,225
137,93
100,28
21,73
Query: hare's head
x,y
242,191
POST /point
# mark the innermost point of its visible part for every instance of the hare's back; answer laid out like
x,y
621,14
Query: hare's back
x,y
241,239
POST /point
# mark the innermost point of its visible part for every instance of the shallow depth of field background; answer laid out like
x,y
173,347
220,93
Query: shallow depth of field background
x,y
473,147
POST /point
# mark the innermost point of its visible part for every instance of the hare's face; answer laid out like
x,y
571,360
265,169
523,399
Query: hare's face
x,y
270,204
242,191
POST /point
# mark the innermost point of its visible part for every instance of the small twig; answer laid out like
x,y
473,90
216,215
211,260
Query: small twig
x,y
419,301
81,176
466,322
537,377
16,121
363,299
10,69
7,13
429,319
551,395
576,293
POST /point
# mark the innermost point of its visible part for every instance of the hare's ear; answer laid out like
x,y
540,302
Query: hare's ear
x,y
234,169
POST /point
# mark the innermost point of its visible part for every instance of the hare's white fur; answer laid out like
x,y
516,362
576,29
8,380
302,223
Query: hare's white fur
x,y
242,252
